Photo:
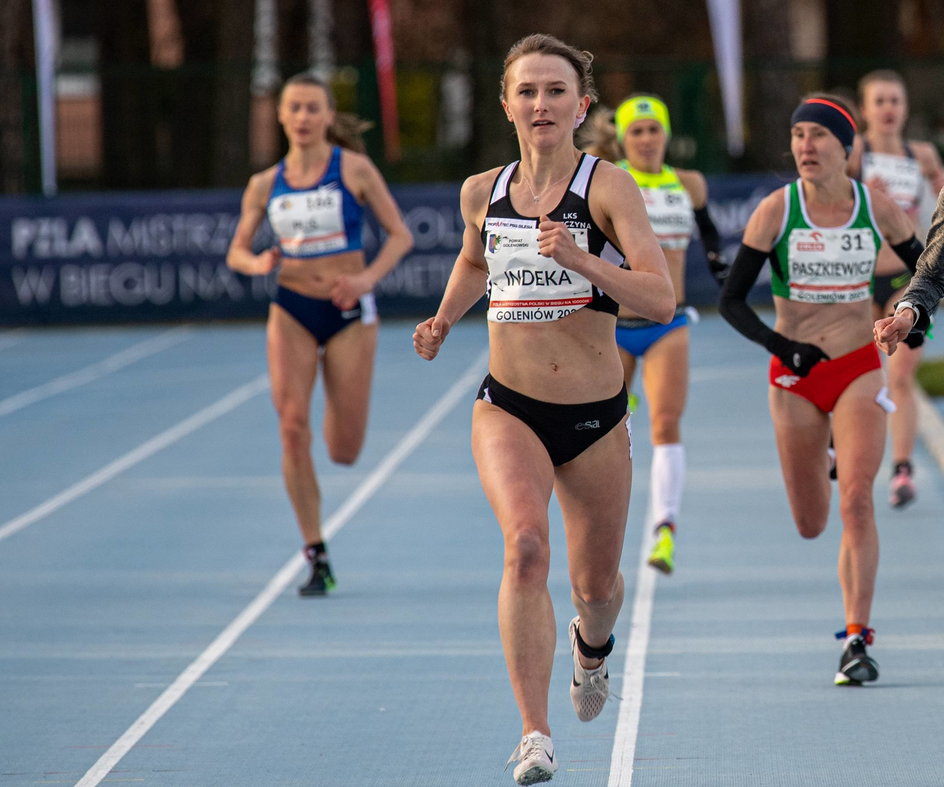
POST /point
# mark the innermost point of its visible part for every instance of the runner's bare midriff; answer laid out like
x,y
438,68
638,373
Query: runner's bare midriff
x,y
315,277
837,328
567,361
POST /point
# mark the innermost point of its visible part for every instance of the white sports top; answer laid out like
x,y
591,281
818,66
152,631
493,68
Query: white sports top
x,y
523,285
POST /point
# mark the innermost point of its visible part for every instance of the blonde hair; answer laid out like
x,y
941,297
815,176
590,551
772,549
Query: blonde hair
x,y
348,129
544,44
598,136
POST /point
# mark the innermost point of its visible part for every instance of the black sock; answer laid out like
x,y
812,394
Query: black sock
x,y
316,551
594,653
904,466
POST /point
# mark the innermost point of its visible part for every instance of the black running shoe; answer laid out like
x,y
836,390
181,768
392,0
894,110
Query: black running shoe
x,y
902,490
321,580
856,666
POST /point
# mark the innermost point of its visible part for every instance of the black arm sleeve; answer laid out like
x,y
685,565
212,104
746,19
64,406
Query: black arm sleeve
x,y
733,305
924,319
909,251
710,238
800,357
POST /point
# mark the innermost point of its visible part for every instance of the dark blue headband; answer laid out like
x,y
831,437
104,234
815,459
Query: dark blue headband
x,y
829,115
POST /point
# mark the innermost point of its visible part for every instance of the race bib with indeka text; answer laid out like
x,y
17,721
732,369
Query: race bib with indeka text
x,y
525,286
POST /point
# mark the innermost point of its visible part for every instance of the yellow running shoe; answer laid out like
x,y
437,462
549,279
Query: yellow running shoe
x,y
662,556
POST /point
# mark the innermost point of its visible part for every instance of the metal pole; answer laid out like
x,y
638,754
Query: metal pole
x,y
44,35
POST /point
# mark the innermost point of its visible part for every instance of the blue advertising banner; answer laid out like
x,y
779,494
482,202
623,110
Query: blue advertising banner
x,y
120,258
731,200
160,256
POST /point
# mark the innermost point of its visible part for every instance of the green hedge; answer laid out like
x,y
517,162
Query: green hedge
x,y
931,376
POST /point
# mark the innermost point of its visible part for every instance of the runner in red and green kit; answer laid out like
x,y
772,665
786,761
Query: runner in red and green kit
x,y
822,234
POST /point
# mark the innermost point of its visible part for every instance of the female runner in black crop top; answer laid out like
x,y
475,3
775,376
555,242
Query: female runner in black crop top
x,y
558,372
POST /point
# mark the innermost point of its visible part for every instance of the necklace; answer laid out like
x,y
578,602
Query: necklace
x,y
537,197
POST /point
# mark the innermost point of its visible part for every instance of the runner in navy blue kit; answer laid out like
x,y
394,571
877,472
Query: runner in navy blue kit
x,y
548,237
323,313
822,233
903,169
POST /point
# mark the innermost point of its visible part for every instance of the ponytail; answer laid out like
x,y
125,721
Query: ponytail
x,y
598,136
347,131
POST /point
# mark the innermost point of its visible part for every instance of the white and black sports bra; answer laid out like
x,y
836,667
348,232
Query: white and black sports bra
x,y
524,286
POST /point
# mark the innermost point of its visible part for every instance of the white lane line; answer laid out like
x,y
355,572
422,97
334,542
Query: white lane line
x,y
277,585
85,375
229,402
10,338
627,724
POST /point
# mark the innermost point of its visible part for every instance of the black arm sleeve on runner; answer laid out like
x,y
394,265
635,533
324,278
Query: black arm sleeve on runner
x,y
909,251
710,238
799,357
733,305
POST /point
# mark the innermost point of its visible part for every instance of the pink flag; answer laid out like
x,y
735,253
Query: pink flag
x,y
386,76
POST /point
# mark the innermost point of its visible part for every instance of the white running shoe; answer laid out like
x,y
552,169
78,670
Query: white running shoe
x,y
589,688
535,758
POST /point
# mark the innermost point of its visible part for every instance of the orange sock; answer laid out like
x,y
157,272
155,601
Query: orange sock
x,y
854,628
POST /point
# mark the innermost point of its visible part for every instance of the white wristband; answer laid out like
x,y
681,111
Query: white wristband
x,y
907,305
901,305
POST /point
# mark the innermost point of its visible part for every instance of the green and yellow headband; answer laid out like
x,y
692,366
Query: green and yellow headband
x,y
641,108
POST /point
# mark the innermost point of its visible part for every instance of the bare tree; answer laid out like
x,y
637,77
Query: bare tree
x,y
233,73
19,157
772,89
212,94
861,35
128,103
176,125
354,45
493,139
926,34
293,34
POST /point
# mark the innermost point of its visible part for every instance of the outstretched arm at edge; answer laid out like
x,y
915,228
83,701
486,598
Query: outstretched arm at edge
x,y
469,275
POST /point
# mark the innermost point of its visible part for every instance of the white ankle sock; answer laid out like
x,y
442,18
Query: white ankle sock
x,y
666,481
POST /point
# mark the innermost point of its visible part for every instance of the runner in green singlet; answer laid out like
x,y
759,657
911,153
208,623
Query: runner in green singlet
x,y
822,234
